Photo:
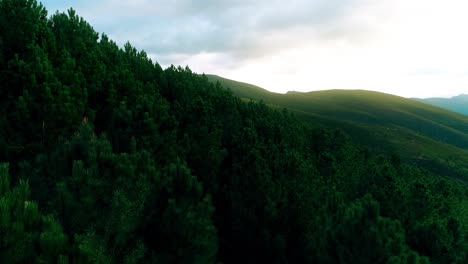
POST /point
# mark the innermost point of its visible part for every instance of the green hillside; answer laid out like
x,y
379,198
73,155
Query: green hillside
x,y
457,103
243,90
422,134
106,157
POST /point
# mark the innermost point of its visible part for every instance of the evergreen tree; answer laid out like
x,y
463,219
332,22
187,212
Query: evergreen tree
x,y
132,163
27,236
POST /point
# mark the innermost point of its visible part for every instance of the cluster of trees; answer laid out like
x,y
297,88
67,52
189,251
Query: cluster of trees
x,y
107,157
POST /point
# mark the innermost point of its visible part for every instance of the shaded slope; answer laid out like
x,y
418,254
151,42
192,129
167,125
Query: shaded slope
x,y
422,134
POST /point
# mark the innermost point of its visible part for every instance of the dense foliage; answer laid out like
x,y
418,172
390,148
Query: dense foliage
x,y
421,134
108,158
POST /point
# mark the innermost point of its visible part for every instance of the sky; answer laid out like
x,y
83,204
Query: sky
x,y
411,48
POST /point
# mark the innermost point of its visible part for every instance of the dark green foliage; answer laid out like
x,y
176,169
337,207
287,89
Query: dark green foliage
x,y
130,163
363,236
26,236
419,133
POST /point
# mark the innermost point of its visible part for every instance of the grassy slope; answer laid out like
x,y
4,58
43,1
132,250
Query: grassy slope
x,y
422,134
457,103
243,90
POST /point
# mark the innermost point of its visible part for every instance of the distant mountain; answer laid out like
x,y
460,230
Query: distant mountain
x,y
420,133
457,103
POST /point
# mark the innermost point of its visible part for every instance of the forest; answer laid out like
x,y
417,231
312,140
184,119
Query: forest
x,y
419,133
106,157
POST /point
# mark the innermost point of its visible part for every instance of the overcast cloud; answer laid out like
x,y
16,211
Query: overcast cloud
x,y
409,48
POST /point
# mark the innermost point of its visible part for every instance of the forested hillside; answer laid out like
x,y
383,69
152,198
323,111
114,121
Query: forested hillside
x,y
422,134
108,158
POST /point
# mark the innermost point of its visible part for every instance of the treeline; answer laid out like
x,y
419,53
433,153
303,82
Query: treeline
x,y
108,158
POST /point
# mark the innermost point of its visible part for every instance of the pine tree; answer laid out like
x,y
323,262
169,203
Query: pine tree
x,y
23,227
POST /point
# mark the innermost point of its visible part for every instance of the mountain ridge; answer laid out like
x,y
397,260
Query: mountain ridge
x,y
458,103
415,130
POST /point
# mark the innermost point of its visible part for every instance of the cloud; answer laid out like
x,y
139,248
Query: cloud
x,y
410,48
245,28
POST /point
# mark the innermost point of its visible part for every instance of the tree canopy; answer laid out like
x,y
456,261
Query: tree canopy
x,y
109,158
